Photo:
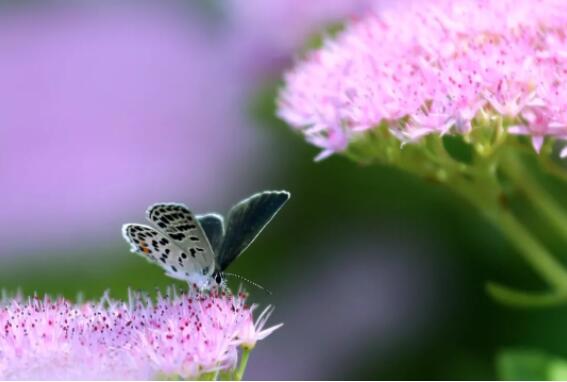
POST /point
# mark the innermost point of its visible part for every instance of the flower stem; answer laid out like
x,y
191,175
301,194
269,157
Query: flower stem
x,y
239,373
554,168
523,299
478,181
532,250
483,193
541,199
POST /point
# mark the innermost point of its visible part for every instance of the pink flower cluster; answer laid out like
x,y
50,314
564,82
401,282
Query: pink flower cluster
x,y
431,67
185,336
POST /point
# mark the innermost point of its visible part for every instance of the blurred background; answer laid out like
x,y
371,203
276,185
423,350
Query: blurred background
x,y
109,106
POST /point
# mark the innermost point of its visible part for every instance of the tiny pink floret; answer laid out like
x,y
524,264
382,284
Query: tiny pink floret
x,y
180,335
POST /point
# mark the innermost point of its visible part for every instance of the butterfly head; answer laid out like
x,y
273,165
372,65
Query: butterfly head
x,y
217,278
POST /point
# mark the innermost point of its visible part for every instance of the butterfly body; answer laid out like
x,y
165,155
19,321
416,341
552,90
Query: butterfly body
x,y
198,249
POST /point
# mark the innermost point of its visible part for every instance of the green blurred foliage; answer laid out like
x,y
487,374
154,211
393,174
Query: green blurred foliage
x,y
530,365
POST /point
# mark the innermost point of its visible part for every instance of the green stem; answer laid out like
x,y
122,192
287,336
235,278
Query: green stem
x,y
532,250
239,373
521,299
478,182
554,168
483,193
212,376
541,199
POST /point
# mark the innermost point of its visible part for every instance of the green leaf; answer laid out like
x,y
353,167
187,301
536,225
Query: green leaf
x,y
530,365
558,370
522,365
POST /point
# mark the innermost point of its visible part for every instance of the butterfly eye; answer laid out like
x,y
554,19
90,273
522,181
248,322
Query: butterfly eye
x,y
218,278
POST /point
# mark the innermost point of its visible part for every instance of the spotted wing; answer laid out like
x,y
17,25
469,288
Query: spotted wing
x,y
213,225
246,220
157,248
178,223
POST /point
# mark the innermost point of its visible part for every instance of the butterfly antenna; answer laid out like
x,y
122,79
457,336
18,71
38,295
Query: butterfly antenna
x,y
248,281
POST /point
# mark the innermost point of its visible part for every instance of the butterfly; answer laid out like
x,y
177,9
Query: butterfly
x,y
199,248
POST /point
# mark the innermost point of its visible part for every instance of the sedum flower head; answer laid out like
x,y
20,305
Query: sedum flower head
x,y
435,67
179,335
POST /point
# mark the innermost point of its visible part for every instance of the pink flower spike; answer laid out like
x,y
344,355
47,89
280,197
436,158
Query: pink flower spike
x,y
253,332
537,142
323,155
182,335
538,126
432,68
518,130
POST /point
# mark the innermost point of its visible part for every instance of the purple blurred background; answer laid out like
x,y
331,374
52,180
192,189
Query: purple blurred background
x,y
106,107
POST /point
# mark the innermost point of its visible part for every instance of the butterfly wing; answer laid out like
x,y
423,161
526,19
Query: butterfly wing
x,y
157,248
246,220
177,222
213,225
